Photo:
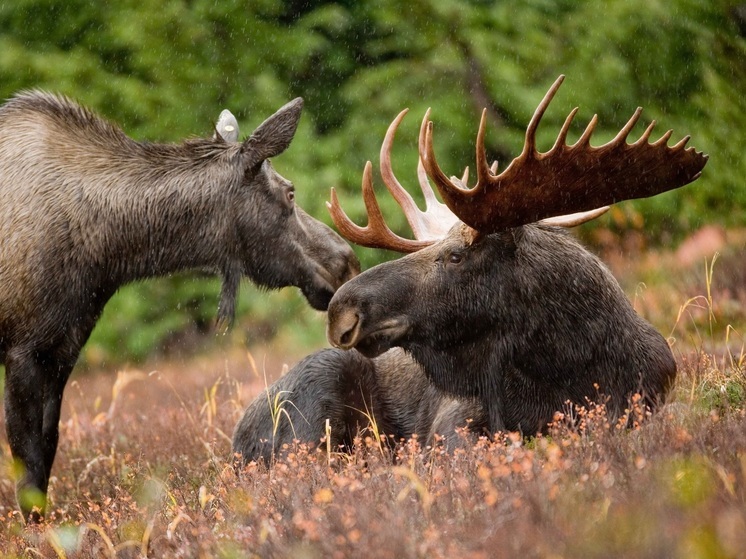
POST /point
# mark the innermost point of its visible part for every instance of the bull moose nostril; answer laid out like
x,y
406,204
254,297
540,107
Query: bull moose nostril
x,y
346,338
344,329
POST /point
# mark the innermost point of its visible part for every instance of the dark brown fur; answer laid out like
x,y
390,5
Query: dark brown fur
x,y
498,333
84,209
524,320
347,389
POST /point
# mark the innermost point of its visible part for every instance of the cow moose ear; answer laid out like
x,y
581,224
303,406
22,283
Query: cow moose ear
x,y
273,136
226,128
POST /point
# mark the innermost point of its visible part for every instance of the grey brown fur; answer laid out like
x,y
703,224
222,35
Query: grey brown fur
x,y
504,329
84,209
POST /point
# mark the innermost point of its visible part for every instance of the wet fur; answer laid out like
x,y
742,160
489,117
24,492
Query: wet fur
x,y
84,210
348,389
528,323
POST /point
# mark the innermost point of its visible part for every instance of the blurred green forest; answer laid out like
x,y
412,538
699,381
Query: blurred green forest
x,y
164,69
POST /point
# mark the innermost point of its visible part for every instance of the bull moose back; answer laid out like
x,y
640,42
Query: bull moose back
x,y
503,318
85,209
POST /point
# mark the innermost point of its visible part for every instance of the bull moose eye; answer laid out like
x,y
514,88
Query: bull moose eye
x,y
455,258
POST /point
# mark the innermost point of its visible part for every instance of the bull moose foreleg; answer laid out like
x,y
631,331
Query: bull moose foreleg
x,y
24,405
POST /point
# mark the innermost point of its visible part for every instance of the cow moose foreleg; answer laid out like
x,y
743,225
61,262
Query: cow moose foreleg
x,y
53,389
24,423
33,402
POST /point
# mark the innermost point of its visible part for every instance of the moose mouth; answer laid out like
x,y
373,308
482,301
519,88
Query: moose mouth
x,y
321,289
318,298
325,282
378,342
348,331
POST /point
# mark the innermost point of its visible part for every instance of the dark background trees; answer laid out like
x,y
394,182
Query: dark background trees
x,y
163,70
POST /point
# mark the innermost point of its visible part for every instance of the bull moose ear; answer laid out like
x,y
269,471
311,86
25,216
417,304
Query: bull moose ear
x,y
273,136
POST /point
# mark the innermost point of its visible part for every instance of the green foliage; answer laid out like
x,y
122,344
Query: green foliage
x,y
163,70
177,315
729,394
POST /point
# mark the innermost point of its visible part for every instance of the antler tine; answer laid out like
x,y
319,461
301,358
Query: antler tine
x,y
437,218
562,136
573,220
427,190
434,222
663,140
450,192
682,143
376,234
428,226
566,179
585,138
430,200
402,197
483,169
621,137
646,135
529,145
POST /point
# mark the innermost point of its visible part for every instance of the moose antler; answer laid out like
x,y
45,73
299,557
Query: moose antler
x,y
564,186
565,179
376,234
428,226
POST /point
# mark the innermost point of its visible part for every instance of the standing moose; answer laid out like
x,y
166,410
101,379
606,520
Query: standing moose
x,y
84,210
502,317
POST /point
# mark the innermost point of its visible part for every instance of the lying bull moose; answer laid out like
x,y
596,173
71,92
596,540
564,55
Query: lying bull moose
x,y
84,210
499,317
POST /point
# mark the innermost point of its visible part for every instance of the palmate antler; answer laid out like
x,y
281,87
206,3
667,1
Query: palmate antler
x,y
565,179
561,186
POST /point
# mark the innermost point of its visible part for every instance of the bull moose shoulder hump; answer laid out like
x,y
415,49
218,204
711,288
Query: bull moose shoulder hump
x,y
85,209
